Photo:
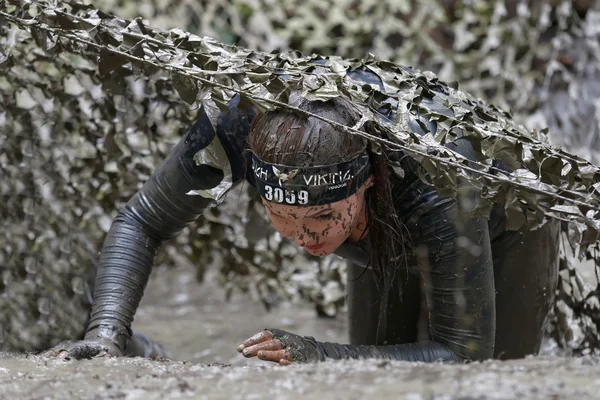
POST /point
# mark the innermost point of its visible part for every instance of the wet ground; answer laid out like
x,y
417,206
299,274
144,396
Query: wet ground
x,y
195,323
144,379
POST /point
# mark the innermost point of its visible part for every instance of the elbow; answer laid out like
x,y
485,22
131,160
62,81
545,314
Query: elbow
x,y
127,229
141,217
467,345
475,350
131,230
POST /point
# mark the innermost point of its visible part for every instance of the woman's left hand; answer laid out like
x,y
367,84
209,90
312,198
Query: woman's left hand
x,y
281,347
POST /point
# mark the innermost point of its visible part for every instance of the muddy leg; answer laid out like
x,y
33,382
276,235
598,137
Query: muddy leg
x,y
363,307
526,277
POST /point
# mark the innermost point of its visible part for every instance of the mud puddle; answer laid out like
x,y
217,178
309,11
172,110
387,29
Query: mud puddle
x,y
541,378
202,330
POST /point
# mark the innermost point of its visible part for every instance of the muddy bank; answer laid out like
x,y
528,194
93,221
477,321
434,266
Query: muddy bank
x,y
543,378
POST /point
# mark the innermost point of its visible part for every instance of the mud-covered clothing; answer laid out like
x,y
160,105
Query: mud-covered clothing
x,y
452,256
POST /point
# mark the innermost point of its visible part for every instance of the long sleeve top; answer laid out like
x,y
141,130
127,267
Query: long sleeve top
x,y
209,160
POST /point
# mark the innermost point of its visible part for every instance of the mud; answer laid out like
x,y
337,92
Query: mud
x,y
202,330
195,323
35,378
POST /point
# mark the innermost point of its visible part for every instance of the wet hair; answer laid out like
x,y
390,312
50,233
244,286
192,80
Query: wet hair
x,y
284,136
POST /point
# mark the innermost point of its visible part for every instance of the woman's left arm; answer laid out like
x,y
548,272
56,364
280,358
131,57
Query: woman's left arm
x,y
455,260
454,256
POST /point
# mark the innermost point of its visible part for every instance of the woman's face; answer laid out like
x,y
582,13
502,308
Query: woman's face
x,y
321,229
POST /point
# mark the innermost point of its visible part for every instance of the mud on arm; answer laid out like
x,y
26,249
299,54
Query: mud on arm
x,y
455,261
454,257
158,212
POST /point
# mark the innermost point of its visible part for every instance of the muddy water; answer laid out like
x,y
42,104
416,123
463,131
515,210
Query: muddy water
x,y
202,330
195,323
540,378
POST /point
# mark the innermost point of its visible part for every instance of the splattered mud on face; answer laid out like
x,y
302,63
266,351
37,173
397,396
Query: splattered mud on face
x,y
321,229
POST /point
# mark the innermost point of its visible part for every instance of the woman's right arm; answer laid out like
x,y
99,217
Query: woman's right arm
x,y
198,171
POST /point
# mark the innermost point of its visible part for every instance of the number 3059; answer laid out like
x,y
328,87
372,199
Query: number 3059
x,y
288,196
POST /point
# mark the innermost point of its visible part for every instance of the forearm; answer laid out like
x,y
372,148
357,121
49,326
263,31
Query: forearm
x,y
124,268
158,212
307,349
426,351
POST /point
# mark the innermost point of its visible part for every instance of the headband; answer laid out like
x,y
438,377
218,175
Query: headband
x,y
311,185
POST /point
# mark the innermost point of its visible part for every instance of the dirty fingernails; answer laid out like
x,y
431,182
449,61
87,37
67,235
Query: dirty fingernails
x,y
247,352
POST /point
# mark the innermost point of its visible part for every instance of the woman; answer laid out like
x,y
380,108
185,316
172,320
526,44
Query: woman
x,y
488,290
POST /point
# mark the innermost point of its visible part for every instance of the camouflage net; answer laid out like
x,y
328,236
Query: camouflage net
x,y
121,126
537,58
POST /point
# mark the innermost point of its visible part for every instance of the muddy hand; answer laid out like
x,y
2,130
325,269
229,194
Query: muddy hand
x,y
83,349
264,346
281,347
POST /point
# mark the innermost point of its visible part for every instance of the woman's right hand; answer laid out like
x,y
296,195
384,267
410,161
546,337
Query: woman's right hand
x,y
84,349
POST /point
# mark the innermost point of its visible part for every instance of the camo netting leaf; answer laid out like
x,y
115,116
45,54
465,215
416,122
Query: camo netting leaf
x,y
92,102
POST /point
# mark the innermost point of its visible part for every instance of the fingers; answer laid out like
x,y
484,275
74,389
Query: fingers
x,y
275,356
78,350
62,354
263,346
58,351
258,338
274,344
48,353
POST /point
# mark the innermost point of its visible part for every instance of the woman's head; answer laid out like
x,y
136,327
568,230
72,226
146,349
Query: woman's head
x,y
293,153
313,177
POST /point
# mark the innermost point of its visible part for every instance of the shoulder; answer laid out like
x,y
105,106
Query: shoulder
x,y
222,134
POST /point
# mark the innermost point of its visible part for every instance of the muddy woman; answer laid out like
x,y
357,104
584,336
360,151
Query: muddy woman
x,y
486,290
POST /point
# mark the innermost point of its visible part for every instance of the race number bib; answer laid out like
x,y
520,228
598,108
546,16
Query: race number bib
x,y
285,196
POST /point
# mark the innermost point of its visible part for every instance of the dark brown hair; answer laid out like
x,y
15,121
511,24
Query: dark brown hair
x,y
284,136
